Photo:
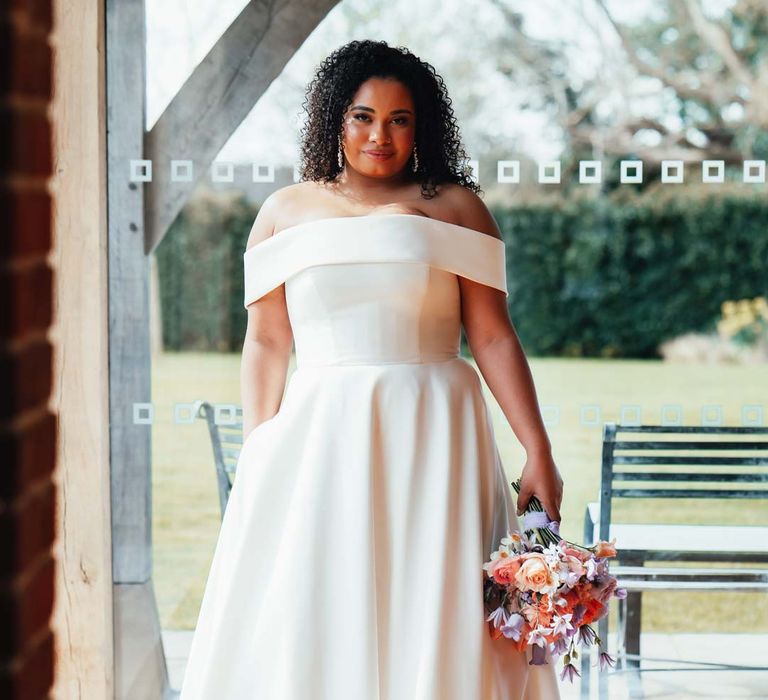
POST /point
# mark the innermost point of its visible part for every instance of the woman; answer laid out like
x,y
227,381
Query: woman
x,y
366,499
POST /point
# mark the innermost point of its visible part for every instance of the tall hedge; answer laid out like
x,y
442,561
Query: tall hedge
x,y
610,277
200,269
615,277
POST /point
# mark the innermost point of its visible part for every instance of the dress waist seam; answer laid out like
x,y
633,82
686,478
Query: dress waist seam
x,y
386,363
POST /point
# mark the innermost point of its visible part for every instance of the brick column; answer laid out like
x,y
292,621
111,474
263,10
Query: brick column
x,y
28,428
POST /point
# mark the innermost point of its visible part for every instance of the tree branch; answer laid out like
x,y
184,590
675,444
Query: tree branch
x,y
719,41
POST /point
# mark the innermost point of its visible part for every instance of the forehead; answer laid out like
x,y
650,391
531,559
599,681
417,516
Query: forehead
x,y
383,94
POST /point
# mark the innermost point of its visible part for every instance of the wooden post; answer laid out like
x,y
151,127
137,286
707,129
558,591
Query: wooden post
x,y
82,615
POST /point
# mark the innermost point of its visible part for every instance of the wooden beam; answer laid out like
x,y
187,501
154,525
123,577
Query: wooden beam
x,y
218,96
139,667
82,616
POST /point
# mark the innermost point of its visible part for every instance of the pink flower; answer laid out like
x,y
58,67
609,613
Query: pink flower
x,y
504,569
572,569
580,554
604,589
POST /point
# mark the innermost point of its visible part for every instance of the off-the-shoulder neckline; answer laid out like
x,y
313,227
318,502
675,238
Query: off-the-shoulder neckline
x,y
328,219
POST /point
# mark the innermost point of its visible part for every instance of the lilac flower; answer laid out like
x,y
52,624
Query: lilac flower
x,y
606,660
591,567
538,656
513,626
586,634
578,613
571,578
560,646
620,593
498,617
569,672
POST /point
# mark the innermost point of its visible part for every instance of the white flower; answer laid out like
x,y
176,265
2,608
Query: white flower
x,y
562,623
537,636
553,555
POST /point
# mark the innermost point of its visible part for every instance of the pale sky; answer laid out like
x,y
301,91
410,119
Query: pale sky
x,y
181,32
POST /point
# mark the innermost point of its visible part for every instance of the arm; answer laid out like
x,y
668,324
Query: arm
x,y
268,339
502,362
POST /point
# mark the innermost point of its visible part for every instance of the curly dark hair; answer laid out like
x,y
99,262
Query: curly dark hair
x,y
442,157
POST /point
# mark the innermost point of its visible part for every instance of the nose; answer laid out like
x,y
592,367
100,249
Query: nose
x,y
379,136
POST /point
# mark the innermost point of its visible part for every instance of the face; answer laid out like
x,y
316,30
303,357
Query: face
x,y
381,118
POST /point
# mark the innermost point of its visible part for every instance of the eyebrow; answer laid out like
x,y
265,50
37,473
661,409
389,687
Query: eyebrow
x,y
369,109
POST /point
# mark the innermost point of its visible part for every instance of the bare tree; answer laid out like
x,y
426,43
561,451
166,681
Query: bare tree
x,y
680,85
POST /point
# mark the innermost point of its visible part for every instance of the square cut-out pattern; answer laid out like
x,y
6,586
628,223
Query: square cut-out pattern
x,y
507,171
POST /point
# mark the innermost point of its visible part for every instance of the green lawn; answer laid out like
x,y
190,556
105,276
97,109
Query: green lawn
x,y
185,502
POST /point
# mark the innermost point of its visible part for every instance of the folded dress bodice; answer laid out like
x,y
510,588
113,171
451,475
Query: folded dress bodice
x,y
374,289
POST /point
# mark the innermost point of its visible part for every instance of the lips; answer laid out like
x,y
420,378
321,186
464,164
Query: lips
x,y
379,155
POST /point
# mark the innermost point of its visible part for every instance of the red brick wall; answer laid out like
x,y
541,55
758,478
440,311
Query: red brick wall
x,y
27,428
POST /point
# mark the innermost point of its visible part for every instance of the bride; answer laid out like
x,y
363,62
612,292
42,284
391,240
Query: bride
x,y
369,489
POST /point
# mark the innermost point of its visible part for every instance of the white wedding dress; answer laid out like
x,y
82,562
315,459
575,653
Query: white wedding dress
x,y
349,560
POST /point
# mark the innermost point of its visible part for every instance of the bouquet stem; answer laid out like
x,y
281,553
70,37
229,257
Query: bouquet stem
x,y
544,535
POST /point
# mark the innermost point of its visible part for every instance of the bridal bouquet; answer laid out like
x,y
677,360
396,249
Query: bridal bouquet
x,y
545,592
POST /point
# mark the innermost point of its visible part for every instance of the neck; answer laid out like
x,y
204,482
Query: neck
x,y
352,180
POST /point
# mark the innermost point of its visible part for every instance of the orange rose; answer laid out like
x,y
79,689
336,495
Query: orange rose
x,y
606,549
504,569
534,574
593,612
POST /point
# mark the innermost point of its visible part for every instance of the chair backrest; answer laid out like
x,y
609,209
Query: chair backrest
x,y
226,442
701,474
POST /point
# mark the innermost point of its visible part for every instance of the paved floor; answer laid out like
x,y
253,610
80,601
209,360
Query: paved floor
x,y
744,649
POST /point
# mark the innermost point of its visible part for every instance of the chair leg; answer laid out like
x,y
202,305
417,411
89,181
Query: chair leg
x,y
633,625
621,634
634,615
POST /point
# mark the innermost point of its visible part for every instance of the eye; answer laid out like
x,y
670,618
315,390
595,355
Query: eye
x,y
398,120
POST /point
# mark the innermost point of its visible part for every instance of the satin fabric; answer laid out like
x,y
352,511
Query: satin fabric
x,y
349,560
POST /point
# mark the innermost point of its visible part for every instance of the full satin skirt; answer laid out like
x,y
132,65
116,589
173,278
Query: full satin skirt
x,y
349,561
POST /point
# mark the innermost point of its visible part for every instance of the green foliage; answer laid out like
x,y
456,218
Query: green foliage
x,y
611,277
615,277
200,269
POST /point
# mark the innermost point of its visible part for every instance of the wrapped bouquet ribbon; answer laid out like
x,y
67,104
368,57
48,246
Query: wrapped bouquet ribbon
x,y
533,520
545,592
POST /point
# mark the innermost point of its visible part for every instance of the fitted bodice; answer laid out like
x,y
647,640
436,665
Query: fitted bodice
x,y
374,289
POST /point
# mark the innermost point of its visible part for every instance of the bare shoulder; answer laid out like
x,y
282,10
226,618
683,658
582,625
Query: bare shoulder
x,y
272,210
470,210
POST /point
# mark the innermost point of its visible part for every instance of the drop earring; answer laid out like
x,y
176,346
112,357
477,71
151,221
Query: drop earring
x,y
415,160
340,156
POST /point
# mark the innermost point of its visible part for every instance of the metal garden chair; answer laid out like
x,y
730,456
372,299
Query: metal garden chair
x,y
640,468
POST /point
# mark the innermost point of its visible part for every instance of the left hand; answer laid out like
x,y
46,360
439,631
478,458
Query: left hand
x,y
541,478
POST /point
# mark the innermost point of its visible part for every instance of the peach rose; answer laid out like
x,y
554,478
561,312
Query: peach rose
x,y
504,569
534,574
606,549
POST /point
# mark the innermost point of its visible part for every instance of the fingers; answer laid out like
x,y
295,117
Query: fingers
x,y
551,509
522,499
